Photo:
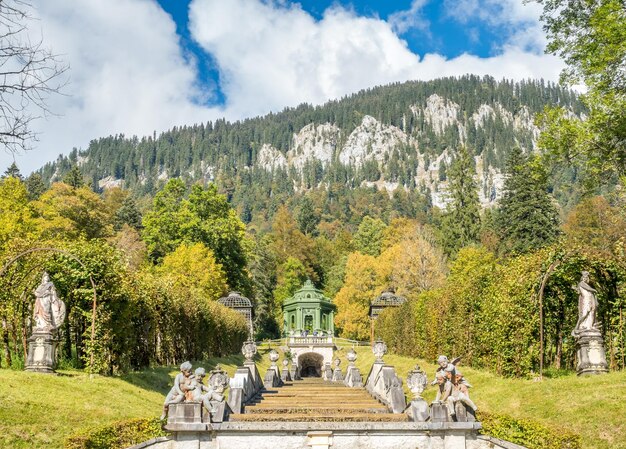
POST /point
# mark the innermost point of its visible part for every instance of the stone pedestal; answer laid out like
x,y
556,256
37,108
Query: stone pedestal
x,y
42,351
438,412
419,410
590,353
337,375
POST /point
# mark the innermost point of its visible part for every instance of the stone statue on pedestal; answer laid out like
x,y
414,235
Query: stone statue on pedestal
x,y
48,316
589,342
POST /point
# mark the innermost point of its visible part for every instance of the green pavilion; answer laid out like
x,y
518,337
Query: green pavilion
x,y
308,310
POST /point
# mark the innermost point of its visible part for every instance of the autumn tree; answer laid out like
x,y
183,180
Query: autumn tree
x,y
288,240
194,267
68,212
362,285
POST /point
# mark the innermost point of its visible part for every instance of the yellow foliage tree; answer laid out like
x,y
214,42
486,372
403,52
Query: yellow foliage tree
x,y
194,267
69,212
412,262
16,215
362,284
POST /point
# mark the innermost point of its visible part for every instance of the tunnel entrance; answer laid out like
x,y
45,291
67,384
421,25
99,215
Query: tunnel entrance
x,y
310,364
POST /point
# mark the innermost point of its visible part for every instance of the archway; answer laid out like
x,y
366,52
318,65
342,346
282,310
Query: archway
x,y
310,364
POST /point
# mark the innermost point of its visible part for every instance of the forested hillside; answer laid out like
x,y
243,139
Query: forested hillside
x,y
400,138
342,194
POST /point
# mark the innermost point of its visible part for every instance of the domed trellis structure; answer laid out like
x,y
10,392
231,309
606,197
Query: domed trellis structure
x,y
387,298
241,304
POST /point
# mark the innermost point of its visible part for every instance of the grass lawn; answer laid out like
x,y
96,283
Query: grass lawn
x,y
40,411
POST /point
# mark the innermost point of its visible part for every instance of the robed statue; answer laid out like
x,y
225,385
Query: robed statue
x,y
587,306
49,310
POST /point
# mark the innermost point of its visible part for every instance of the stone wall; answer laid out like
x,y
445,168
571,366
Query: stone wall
x,y
347,435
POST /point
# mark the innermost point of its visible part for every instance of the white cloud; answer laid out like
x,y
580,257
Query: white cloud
x,y
279,55
128,73
411,18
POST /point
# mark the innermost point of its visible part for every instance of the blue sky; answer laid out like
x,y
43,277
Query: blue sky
x,y
144,66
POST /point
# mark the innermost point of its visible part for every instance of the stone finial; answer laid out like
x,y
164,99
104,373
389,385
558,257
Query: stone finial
x,y
285,363
274,357
417,381
249,350
337,362
351,356
379,349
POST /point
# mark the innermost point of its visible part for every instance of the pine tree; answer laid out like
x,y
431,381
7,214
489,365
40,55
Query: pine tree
x,y
74,177
461,223
13,171
35,186
128,214
528,217
308,218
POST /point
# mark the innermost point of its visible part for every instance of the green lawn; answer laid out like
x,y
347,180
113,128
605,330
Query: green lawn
x,y
40,411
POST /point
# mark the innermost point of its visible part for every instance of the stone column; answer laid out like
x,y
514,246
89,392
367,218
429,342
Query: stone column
x,y
299,319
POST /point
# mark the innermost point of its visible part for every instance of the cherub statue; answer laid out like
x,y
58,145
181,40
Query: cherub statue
x,y
447,368
444,393
209,398
460,391
181,389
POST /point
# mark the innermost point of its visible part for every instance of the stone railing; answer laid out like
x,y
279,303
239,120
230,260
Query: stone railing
x,y
245,385
384,384
310,340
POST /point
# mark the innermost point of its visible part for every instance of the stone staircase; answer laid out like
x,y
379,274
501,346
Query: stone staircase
x,y
316,400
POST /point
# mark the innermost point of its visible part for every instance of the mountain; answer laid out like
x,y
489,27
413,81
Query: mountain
x,y
400,137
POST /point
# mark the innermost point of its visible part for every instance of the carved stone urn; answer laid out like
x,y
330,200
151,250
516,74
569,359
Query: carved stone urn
x,y
337,363
351,356
379,349
274,357
249,350
417,381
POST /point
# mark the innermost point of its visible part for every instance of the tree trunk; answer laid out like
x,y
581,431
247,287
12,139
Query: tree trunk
x,y
5,342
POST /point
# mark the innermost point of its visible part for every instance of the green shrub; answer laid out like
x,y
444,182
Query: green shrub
x,y
527,432
119,435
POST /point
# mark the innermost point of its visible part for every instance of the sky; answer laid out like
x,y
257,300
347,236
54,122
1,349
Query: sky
x,y
143,66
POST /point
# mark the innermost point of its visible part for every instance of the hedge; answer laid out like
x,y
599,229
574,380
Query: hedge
x,y
119,435
527,432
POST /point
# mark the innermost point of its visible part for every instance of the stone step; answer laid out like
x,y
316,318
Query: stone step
x,y
316,395
327,417
318,411
297,401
